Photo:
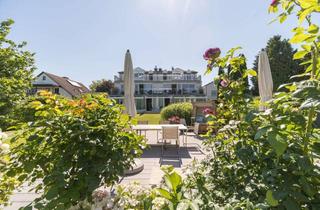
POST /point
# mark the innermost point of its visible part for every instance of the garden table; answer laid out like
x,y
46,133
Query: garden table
x,y
154,127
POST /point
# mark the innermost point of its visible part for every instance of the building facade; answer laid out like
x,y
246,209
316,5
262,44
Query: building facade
x,y
158,88
211,91
58,85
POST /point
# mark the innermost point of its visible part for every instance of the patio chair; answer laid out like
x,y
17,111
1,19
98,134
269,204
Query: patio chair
x,y
189,128
161,122
169,134
143,122
183,122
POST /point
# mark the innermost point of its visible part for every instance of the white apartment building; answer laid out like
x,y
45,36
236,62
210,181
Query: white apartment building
x,y
158,88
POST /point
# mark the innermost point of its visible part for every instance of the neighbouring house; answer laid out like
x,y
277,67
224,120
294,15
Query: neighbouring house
x,y
211,91
157,88
58,85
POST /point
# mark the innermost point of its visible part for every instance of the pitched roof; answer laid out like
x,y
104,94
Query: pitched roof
x,y
74,88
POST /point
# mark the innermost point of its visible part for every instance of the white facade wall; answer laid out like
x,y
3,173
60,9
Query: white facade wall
x,y
50,85
211,91
39,80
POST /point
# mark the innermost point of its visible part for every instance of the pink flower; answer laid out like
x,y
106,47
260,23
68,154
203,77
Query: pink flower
x,y
212,53
224,83
207,111
274,3
174,120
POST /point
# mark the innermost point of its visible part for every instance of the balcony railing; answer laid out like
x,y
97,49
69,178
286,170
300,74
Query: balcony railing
x,y
161,93
162,78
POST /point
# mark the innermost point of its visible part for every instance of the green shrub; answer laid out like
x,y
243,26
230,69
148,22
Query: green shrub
x,y
182,110
73,146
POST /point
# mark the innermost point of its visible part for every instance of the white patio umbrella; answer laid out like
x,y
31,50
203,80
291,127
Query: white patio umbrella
x,y
265,81
129,101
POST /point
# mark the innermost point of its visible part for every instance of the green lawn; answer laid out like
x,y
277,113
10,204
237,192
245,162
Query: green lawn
x,y
151,118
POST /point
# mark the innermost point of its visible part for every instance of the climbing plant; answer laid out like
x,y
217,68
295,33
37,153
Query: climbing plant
x,y
270,158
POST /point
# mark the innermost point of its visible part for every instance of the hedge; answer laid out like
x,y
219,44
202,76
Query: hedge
x,y
182,110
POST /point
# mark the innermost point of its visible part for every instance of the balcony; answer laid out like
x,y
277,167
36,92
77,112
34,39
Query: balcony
x,y
162,78
162,93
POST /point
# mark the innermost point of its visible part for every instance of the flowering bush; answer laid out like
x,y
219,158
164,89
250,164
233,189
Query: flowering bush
x,y
74,146
181,110
132,196
170,195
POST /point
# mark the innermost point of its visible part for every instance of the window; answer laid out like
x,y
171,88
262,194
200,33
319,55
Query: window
x,y
148,88
213,92
165,77
56,91
140,104
188,88
44,77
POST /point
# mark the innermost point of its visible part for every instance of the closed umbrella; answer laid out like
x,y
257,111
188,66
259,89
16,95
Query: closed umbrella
x,y
264,79
129,101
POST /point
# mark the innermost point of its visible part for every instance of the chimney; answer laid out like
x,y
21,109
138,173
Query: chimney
x,y
156,68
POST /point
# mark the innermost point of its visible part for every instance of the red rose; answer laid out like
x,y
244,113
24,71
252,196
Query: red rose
x,y
274,3
212,53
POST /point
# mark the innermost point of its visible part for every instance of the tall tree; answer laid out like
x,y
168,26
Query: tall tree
x,y
280,53
16,69
103,85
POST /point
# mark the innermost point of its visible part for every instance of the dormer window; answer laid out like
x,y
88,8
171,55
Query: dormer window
x,y
44,77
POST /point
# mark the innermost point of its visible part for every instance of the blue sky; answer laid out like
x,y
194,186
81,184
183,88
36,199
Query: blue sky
x,y
87,40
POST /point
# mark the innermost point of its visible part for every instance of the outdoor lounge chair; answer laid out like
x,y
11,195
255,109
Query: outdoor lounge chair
x,y
183,122
169,134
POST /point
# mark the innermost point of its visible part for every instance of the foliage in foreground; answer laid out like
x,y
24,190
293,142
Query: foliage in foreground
x,y
16,68
73,146
270,157
181,110
170,195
